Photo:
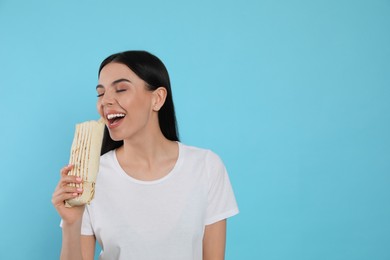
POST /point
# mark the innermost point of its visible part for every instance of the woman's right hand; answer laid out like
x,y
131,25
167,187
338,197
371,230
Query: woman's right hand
x,y
63,192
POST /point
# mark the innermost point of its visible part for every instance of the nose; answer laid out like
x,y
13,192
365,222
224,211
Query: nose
x,y
107,99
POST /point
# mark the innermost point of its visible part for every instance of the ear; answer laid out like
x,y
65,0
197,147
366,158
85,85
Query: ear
x,y
159,96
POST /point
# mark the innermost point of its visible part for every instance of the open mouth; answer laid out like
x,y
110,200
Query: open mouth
x,y
114,119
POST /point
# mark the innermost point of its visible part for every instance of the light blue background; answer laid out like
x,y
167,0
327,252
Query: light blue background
x,y
293,95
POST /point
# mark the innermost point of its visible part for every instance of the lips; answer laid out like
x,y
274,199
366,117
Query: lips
x,y
114,119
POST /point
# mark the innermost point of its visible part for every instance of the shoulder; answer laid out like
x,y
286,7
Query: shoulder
x,y
203,156
189,150
108,158
107,155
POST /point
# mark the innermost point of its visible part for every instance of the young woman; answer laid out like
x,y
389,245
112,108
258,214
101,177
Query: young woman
x,y
155,198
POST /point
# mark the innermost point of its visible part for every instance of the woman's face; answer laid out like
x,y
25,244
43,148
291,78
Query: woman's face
x,y
124,102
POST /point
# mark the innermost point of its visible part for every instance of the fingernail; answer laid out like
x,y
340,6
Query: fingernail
x,y
79,189
78,179
75,194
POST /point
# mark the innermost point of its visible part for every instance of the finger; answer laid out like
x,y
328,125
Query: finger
x,y
65,170
60,199
67,189
65,193
70,179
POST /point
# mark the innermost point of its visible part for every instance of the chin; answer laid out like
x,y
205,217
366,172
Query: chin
x,y
115,138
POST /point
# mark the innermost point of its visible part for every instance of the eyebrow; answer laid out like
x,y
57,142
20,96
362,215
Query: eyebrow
x,y
114,82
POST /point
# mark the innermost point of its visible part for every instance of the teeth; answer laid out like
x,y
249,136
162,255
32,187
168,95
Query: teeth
x,y
111,116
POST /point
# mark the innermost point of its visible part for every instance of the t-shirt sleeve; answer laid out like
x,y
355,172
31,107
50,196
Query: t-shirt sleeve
x,y
86,226
221,200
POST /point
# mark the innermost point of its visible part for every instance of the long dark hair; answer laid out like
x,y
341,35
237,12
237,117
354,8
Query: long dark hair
x,y
150,69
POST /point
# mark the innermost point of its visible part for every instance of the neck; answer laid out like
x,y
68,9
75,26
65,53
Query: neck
x,y
148,160
145,149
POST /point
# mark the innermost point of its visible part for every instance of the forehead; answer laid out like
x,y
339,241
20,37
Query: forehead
x,y
115,71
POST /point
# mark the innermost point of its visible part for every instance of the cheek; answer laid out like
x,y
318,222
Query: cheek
x,y
99,108
134,105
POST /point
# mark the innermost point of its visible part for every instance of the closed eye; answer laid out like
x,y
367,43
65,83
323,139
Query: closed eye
x,y
100,95
120,90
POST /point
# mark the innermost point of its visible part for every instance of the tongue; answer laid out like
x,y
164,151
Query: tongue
x,y
115,120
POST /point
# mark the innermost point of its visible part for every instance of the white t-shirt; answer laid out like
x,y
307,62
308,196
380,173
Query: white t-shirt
x,y
161,219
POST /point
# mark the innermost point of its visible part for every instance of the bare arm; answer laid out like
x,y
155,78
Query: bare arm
x,y
88,247
71,241
74,245
214,241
